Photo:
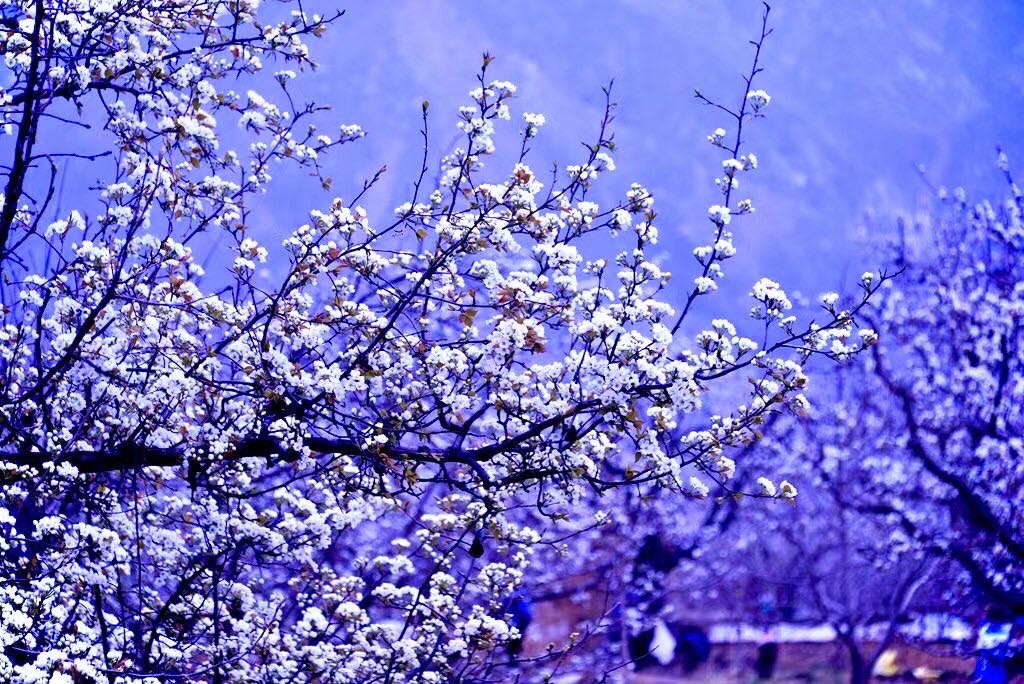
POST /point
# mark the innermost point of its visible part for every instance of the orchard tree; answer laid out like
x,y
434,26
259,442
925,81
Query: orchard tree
x,y
338,473
823,559
910,463
948,391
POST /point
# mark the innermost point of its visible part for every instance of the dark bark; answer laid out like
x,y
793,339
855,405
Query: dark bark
x,y
859,670
130,456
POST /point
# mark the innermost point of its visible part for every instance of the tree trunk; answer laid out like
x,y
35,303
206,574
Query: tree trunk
x,y
859,672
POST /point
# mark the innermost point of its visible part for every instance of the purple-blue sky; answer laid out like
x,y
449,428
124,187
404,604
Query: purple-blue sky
x,y
863,91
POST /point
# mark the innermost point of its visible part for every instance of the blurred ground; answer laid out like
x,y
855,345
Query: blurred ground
x,y
811,664
733,662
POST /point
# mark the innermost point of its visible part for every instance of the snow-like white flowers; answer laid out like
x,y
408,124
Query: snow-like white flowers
x,y
772,298
704,284
766,486
533,123
867,336
758,100
284,76
250,252
697,488
350,132
731,166
58,228
719,215
480,347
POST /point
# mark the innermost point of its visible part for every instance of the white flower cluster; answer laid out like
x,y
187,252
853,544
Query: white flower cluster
x,y
331,458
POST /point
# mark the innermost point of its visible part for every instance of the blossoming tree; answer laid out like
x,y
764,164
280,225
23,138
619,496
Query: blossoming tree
x,y
826,560
948,469
322,476
909,464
